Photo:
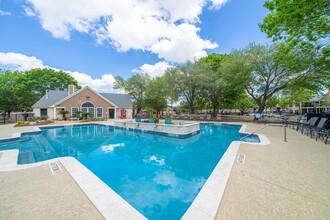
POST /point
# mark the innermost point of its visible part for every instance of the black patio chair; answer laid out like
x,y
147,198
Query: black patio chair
x,y
314,129
304,126
324,132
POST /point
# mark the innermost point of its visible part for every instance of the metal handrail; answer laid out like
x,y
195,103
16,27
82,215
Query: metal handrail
x,y
254,132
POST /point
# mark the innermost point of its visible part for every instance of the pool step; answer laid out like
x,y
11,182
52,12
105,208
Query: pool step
x,y
26,157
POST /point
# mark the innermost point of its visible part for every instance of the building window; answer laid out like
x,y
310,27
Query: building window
x,y
74,111
88,107
99,112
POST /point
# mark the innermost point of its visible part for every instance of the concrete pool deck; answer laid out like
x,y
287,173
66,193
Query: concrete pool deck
x,y
282,180
35,193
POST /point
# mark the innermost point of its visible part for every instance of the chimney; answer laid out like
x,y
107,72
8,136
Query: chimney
x,y
46,94
71,89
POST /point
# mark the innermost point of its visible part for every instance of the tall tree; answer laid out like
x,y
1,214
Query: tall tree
x,y
243,103
217,90
135,86
185,83
33,84
265,70
9,99
20,90
302,24
156,94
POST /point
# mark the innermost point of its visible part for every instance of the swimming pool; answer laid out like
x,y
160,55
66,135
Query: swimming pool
x,y
159,176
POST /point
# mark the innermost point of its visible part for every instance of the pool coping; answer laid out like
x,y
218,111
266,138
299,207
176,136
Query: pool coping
x,y
112,206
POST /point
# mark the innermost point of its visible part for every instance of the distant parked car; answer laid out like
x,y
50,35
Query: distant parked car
x,y
276,115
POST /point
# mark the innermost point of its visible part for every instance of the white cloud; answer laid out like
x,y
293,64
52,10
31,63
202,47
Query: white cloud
x,y
164,27
21,62
4,13
18,61
28,11
155,70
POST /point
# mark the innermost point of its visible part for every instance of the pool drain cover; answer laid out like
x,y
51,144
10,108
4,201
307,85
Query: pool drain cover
x,y
55,168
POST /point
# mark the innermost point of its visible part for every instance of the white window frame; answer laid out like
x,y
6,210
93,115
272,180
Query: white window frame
x,y
72,112
88,108
97,113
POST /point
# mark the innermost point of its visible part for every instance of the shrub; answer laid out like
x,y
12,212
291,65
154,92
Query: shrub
x,y
34,118
63,113
85,114
20,122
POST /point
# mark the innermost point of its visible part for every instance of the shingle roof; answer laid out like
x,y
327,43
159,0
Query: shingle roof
x,y
121,100
53,97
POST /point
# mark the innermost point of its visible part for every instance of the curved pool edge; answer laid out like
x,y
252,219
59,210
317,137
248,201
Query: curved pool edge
x,y
113,206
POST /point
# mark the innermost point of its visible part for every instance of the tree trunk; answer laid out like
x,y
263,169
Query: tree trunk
x,y
214,113
191,108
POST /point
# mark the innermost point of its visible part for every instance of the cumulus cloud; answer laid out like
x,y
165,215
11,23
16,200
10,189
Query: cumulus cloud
x,y
28,11
4,13
164,27
105,84
21,62
155,70
18,61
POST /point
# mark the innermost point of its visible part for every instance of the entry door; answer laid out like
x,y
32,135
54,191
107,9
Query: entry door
x,y
111,113
43,112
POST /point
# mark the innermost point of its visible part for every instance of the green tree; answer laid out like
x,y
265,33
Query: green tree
x,y
243,103
185,83
156,95
9,98
34,83
135,86
217,89
293,97
264,70
300,20
303,25
20,90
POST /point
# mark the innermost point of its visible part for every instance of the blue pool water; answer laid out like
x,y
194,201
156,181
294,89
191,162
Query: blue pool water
x,y
159,176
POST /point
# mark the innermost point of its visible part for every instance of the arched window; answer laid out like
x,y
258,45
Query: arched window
x,y
87,104
88,107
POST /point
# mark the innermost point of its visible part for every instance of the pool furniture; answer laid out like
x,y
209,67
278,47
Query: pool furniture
x,y
320,125
303,126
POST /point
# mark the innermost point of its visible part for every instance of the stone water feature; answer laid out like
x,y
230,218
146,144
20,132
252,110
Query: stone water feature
x,y
183,130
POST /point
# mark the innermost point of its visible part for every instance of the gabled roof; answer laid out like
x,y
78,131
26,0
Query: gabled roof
x,y
57,97
121,100
83,89
53,97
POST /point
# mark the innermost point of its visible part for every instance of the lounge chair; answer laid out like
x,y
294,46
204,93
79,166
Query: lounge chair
x,y
303,126
314,129
322,131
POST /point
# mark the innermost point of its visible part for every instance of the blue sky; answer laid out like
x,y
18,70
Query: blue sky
x,y
96,42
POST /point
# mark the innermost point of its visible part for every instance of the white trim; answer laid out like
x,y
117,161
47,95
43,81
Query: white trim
x,y
88,107
96,112
81,90
71,110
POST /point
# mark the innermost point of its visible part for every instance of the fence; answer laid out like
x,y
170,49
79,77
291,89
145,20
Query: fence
x,y
228,118
15,116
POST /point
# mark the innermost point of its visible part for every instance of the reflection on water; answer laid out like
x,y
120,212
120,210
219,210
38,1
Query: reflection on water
x,y
159,176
